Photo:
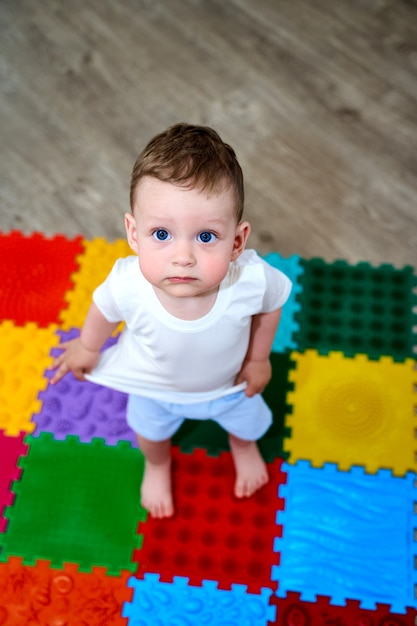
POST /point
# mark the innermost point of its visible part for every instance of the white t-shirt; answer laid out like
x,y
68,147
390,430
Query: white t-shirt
x,y
167,358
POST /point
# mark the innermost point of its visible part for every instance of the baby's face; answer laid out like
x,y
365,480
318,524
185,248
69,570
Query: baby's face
x,y
185,239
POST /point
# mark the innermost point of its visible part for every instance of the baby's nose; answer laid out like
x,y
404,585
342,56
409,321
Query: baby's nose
x,y
183,254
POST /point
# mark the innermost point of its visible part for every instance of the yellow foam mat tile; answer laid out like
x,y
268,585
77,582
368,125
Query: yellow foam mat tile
x,y
352,411
24,357
95,263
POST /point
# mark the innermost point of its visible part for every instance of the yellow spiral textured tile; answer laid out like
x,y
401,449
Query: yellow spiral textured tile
x,y
352,411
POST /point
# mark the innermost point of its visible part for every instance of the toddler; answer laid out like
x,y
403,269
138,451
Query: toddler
x,y
200,311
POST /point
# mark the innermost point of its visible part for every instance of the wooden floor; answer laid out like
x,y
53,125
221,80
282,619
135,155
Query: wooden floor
x,y
318,97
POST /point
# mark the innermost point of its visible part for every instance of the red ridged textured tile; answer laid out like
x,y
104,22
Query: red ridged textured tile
x,y
213,535
35,273
291,611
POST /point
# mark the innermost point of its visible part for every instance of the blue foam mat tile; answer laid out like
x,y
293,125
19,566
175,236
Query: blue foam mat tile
x,y
177,603
331,544
288,326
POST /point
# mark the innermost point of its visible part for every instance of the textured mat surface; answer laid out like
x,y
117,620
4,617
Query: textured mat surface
x,y
328,542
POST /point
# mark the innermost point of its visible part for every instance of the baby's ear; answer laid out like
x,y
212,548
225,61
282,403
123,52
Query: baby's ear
x,y
131,232
241,237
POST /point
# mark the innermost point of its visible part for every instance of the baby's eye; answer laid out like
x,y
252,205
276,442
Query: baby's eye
x,y
161,234
206,237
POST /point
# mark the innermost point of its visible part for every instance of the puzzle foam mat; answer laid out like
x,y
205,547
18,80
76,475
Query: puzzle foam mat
x,y
330,541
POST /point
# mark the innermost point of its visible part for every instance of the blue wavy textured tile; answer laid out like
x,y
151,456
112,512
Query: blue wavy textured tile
x,y
178,604
347,535
292,267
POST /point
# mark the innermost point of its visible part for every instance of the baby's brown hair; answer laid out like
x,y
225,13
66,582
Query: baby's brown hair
x,y
190,156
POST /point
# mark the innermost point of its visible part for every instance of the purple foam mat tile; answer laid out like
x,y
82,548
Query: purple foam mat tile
x,y
84,409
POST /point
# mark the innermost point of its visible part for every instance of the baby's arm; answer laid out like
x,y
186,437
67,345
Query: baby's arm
x,y
256,370
81,355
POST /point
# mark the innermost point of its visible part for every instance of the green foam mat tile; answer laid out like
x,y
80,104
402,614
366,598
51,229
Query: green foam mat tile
x,y
357,309
77,503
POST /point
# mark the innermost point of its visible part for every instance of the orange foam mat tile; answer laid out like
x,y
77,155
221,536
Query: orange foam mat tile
x,y
39,595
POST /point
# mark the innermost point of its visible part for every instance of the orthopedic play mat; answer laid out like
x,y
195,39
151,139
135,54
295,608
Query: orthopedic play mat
x,y
328,542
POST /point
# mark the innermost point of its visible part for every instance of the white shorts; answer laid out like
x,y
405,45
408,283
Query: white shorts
x,y
155,420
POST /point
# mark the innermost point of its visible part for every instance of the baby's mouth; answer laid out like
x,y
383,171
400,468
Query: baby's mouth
x,y
181,279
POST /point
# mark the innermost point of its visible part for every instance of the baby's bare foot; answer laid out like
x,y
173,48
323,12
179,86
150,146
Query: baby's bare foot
x,y
251,471
156,490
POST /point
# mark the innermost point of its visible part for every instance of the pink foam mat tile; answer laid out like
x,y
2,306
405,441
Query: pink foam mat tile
x,y
11,449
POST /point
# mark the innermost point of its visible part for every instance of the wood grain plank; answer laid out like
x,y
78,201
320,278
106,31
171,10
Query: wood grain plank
x,y
318,98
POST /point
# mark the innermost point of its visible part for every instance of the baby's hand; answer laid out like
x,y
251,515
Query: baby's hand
x,y
256,374
75,358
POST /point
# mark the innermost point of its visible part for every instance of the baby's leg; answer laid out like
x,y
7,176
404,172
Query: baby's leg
x,y
156,486
251,471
